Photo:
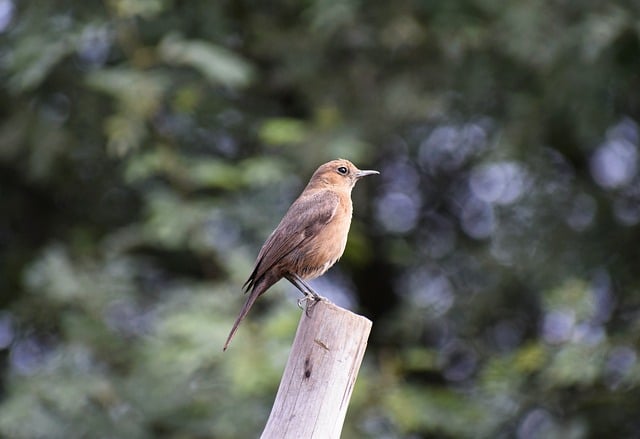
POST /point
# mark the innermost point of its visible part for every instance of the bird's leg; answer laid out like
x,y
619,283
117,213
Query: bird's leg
x,y
302,286
309,293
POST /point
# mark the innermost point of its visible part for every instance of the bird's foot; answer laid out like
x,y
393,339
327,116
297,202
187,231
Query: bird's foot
x,y
310,300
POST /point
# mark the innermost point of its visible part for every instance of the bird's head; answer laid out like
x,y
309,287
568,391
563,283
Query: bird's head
x,y
338,174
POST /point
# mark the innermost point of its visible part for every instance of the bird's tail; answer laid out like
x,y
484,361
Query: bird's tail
x,y
253,295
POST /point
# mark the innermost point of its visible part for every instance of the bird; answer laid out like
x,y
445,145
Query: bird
x,y
309,239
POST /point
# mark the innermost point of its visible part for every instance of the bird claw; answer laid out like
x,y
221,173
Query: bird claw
x,y
314,298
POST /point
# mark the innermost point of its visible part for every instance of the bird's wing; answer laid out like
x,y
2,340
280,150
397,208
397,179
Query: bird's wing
x,y
304,219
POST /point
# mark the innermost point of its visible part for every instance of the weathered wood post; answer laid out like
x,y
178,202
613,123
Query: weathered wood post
x,y
321,371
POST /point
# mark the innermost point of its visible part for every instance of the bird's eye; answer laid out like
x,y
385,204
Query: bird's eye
x,y
343,170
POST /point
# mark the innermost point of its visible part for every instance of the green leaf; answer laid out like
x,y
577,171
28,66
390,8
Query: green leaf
x,y
217,64
34,58
283,131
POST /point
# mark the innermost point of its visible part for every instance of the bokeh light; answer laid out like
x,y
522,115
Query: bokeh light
x,y
615,163
6,14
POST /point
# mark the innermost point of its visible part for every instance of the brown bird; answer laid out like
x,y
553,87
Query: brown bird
x,y
309,239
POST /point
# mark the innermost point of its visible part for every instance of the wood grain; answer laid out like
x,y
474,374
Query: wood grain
x,y
321,371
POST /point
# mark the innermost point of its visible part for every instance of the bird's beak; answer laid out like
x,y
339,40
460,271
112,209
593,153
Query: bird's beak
x,y
361,174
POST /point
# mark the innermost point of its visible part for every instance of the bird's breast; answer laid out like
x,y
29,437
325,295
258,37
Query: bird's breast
x,y
327,246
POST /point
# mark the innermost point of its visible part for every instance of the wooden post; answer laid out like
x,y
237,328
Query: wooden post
x,y
320,374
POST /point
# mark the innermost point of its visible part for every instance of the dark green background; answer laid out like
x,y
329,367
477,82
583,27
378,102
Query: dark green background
x,y
148,147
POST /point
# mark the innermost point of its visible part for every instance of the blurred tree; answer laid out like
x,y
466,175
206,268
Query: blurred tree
x,y
148,147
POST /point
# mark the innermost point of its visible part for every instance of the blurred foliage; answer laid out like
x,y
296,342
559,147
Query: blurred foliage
x,y
148,147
